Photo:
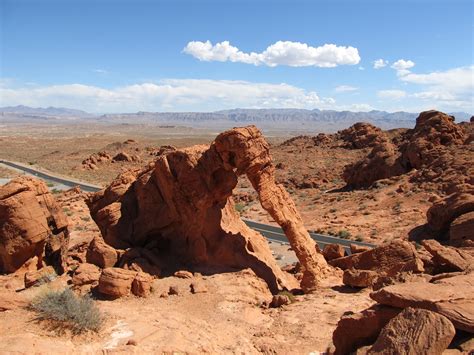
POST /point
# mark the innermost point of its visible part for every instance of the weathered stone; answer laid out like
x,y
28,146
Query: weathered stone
x,y
413,332
142,284
198,287
356,248
359,329
183,274
359,278
12,300
32,224
462,229
101,254
392,258
333,251
448,258
86,274
182,204
116,282
452,297
279,300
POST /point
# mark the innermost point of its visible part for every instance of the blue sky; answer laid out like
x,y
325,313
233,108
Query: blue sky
x,y
125,56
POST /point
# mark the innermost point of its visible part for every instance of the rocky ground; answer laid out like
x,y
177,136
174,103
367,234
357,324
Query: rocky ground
x,y
224,289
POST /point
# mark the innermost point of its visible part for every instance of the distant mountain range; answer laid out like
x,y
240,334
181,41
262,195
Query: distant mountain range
x,y
48,111
278,119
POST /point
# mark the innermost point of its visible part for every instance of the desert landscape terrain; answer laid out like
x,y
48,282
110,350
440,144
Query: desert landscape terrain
x,y
163,263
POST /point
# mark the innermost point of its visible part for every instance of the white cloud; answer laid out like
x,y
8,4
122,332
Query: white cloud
x,y
380,63
294,54
345,88
101,71
167,95
391,94
402,66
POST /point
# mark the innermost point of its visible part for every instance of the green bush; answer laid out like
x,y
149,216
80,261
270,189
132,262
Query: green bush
x,y
66,310
343,234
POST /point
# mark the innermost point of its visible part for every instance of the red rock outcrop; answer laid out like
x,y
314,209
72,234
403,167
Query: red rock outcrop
x,y
362,135
427,147
31,225
382,162
452,297
462,229
359,329
443,212
414,331
180,207
448,259
433,129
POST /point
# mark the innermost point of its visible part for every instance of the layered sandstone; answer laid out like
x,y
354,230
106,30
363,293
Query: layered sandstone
x,y
180,209
32,225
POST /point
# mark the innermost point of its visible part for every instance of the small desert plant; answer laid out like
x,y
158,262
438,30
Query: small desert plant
x,y
343,234
65,310
49,184
359,238
239,207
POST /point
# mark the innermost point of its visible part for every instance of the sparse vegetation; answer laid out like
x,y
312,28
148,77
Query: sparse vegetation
x,y
288,294
344,234
65,310
239,207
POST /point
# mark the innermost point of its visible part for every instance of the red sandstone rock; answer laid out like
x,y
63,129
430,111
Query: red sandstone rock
x,y
462,229
31,224
443,212
333,251
414,331
101,254
116,282
362,135
358,329
356,249
452,297
141,285
86,274
182,205
39,277
448,258
359,278
392,258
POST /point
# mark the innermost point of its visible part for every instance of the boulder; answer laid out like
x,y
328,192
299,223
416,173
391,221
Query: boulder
x,y
448,258
362,135
359,329
452,297
383,161
359,278
198,286
356,248
390,259
32,224
181,208
86,274
462,229
333,251
101,254
116,282
413,332
122,156
279,300
142,284
443,212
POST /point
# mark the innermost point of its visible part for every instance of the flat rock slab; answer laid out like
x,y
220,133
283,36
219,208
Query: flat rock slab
x,y
452,297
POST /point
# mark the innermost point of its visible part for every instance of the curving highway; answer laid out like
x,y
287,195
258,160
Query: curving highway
x,y
273,233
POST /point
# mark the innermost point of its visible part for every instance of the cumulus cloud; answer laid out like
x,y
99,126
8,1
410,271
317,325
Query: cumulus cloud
x,y
345,88
293,54
167,95
402,66
380,63
391,94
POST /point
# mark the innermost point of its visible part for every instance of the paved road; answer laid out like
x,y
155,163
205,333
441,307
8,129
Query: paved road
x,y
272,233
50,176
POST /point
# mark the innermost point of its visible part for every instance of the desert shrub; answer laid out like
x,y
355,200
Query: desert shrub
x,y
343,234
65,310
239,207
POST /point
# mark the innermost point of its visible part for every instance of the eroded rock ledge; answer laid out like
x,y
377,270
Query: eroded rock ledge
x,y
181,209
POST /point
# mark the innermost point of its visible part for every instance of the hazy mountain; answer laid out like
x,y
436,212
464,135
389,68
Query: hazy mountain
x,y
269,119
48,111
